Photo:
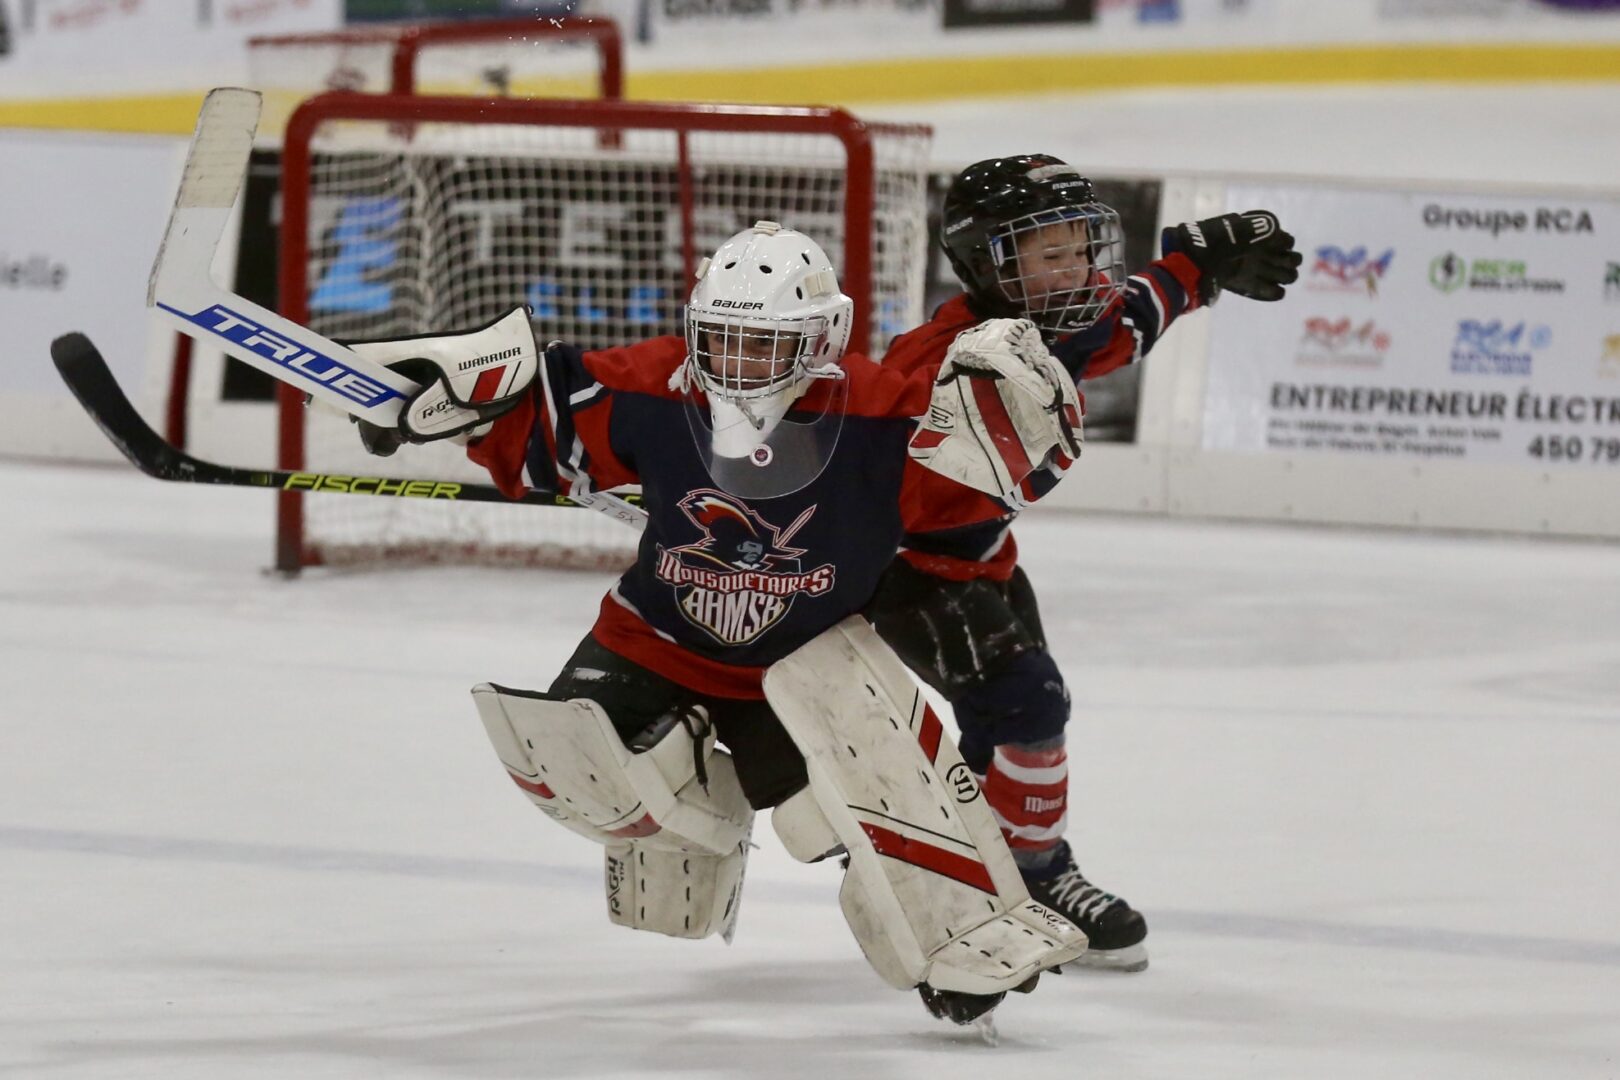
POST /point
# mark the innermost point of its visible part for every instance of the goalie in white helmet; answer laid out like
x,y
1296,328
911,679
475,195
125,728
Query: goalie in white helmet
x,y
777,482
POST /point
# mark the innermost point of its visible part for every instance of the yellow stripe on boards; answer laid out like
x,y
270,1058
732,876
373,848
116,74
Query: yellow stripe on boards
x,y
945,78
152,114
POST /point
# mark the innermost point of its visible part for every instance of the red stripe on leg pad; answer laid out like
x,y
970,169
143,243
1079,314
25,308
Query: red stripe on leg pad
x,y
533,787
928,734
645,827
928,857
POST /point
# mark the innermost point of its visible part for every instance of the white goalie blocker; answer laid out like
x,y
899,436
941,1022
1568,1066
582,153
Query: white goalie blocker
x,y
931,892
672,816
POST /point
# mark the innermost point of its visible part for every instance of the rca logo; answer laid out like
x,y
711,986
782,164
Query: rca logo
x,y
1342,343
1354,269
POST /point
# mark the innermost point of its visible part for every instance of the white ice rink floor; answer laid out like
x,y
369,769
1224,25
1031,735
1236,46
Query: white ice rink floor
x,y
1365,786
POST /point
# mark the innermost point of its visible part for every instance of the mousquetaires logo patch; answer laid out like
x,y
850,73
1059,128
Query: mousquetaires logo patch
x,y
741,576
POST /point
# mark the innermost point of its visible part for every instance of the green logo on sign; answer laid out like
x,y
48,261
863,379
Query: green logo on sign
x,y
1448,272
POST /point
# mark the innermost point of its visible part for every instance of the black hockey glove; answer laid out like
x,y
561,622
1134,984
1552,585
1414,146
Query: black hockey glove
x,y
378,440
1247,253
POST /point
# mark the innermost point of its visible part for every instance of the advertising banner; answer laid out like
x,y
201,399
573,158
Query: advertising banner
x,y
80,221
1427,326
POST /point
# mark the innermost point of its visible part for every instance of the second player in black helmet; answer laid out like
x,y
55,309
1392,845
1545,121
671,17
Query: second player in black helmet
x,y
1028,238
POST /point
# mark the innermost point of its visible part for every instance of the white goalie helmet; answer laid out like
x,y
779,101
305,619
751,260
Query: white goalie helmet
x,y
767,299
766,322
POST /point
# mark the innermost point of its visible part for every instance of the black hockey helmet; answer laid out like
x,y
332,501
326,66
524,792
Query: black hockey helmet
x,y
1040,208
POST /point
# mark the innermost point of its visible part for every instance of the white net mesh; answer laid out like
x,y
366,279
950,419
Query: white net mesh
x,y
441,227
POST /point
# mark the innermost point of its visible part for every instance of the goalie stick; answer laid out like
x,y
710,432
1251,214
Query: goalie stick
x,y
183,291
85,371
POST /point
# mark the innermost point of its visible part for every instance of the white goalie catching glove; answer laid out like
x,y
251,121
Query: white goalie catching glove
x,y
1002,407
468,380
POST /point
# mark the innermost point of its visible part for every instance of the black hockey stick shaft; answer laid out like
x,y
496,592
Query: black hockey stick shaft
x,y
84,370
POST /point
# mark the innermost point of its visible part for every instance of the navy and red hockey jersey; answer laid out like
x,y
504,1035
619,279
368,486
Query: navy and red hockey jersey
x,y
722,586
981,544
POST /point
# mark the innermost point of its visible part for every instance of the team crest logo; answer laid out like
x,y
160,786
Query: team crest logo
x,y
741,577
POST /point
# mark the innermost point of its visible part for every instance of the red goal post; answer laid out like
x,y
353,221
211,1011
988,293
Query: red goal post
x,y
413,214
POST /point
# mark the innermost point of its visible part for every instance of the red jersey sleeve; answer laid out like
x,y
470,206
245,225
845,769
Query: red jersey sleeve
x,y
1153,299
561,437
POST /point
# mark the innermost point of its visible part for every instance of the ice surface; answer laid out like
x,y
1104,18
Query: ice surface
x,y
1362,784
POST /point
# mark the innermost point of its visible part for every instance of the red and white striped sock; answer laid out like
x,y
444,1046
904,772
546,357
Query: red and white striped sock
x,y
1027,788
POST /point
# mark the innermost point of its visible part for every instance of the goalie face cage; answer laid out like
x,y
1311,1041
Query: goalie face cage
x,y
411,215
571,56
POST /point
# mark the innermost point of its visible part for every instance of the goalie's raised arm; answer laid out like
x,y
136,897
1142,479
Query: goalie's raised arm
x,y
1002,408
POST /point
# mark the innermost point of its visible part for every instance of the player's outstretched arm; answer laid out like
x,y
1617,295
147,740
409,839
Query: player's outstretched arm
x,y
1248,254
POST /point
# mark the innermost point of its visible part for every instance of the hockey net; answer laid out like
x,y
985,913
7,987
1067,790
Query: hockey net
x,y
538,57
415,215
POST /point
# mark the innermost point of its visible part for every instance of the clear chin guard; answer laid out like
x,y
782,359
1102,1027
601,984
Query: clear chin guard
x,y
761,448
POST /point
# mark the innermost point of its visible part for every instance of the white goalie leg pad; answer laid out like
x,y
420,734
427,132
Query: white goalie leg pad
x,y
932,892
676,840
688,894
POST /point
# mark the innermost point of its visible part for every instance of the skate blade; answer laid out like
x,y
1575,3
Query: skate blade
x,y
986,1027
1132,958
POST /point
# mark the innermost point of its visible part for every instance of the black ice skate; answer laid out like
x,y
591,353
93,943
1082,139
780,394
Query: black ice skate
x,y
1114,928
